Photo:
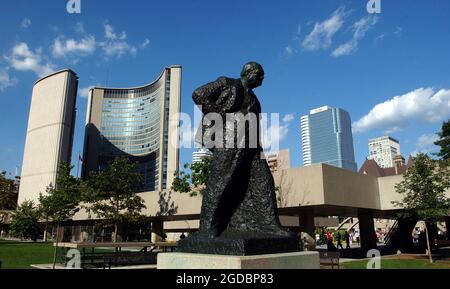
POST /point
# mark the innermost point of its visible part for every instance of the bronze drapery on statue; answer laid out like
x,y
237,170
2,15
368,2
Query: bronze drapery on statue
x,y
239,210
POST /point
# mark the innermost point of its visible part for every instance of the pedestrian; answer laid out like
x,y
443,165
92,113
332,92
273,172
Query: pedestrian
x,y
347,239
339,240
330,245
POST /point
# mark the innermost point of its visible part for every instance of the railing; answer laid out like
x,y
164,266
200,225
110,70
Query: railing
x,y
391,233
343,223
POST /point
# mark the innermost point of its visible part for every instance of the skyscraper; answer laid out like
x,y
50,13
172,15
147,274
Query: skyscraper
x,y
383,151
50,131
327,138
140,123
200,154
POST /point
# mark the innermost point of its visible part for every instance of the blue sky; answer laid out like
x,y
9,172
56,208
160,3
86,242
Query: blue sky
x,y
388,70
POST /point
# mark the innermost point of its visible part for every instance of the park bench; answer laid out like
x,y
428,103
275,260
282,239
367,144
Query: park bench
x,y
106,255
330,258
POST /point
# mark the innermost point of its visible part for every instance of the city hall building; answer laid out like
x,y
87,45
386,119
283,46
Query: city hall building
x,y
140,123
50,131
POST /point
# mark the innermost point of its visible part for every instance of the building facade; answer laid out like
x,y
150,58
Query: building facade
x,y
140,123
200,154
383,151
279,161
50,132
327,138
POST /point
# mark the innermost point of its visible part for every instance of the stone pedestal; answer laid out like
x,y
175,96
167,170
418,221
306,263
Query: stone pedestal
x,y
184,261
239,244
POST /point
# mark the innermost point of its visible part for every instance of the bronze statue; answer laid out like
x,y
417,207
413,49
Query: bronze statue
x,y
239,210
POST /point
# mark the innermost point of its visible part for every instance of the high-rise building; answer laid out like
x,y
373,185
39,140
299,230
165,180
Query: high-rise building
x,y
140,123
278,161
50,131
327,138
383,151
200,154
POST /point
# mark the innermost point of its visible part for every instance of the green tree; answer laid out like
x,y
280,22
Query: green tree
x,y
25,221
111,194
444,141
8,194
194,182
423,192
61,202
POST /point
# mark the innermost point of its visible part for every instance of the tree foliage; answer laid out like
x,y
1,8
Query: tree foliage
x,y
423,190
110,193
167,206
61,202
8,194
194,182
444,141
25,221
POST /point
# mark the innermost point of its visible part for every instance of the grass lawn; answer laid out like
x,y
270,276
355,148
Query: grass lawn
x,y
17,255
400,264
20,255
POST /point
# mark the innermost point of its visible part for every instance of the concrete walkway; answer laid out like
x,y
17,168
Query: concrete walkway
x,y
61,267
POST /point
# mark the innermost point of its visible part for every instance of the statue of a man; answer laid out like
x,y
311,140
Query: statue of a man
x,y
239,210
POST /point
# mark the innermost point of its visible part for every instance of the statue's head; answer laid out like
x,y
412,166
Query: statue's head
x,y
252,74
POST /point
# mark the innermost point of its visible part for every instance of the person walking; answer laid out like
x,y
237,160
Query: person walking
x,y
339,240
330,245
347,239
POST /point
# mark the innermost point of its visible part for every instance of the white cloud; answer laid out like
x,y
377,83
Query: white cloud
x,y
273,135
23,59
360,29
398,31
84,92
109,32
116,45
297,34
25,23
145,43
421,105
425,144
380,37
427,141
83,47
118,48
79,27
322,34
289,118
344,49
6,80
290,50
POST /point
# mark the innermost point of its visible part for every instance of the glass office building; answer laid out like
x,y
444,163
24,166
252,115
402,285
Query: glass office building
x,y
136,123
327,138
